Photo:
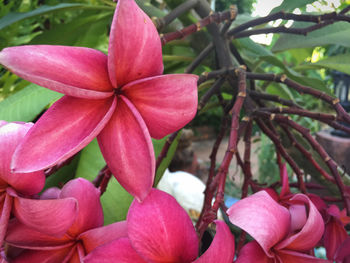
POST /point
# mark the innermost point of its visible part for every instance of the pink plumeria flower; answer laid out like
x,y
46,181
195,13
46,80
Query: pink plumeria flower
x,y
86,233
16,189
121,98
281,235
342,254
335,233
160,231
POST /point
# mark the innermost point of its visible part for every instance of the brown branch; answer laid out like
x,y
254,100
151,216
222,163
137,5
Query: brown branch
x,y
165,149
213,18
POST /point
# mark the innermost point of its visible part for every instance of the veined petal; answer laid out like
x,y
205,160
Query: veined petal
x,y
68,126
11,135
160,230
262,217
135,50
311,232
288,256
124,141
343,252
20,235
51,217
102,235
74,71
166,103
90,214
285,181
222,248
252,252
119,250
5,213
43,256
334,236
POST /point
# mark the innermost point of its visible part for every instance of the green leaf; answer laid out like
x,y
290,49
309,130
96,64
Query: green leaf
x,y
289,5
337,33
339,63
246,44
12,18
86,30
279,90
27,103
115,201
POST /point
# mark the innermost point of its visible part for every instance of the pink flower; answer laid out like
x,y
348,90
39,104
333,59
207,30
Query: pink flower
x,y
159,230
342,254
281,235
121,98
16,188
85,233
335,233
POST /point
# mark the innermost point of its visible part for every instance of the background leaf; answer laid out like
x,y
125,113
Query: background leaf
x,y
27,104
289,5
338,33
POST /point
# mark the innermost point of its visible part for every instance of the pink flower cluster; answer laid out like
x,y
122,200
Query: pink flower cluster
x,y
123,99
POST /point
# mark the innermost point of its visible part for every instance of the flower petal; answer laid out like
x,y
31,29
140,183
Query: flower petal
x,y
311,232
51,217
124,141
288,256
11,134
119,250
90,214
262,217
285,181
222,247
166,103
252,252
102,235
68,126
43,256
74,71
334,236
343,252
160,230
5,213
135,50
20,235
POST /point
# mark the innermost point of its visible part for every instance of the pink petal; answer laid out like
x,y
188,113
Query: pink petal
x,y
135,50
102,235
311,232
5,213
119,250
166,103
75,71
11,135
252,252
51,193
222,247
287,256
262,217
90,214
285,181
68,126
43,256
343,253
124,142
51,217
298,217
160,230
334,236
20,235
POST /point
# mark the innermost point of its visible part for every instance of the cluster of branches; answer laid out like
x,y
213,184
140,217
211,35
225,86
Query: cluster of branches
x,y
273,121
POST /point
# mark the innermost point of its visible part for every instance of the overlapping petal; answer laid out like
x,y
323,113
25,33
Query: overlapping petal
x,y
166,103
99,236
90,214
160,230
119,250
129,154
252,252
262,217
343,252
52,217
222,246
11,134
44,256
134,50
288,256
68,126
311,232
75,71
